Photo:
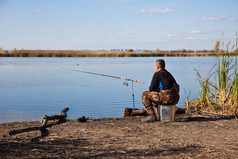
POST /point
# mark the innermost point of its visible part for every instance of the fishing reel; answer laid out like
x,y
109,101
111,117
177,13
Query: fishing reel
x,y
126,83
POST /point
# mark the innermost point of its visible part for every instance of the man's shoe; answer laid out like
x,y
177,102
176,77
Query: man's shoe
x,y
150,118
157,113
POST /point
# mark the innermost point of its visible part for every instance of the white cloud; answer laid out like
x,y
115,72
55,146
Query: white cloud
x,y
232,19
148,41
174,36
193,38
189,38
78,31
126,1
171,35
183,37
150,15
132,35
205,38
4,23
157,10
154,41
37,10
10,23
218,18
196,32
201,31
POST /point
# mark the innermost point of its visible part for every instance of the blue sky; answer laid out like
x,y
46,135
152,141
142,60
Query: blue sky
x,y
120,24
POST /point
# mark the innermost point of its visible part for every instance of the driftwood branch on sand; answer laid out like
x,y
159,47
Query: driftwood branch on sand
x,y
45,119
142,112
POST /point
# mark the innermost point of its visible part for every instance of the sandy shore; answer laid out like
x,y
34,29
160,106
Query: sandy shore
x,y
196,137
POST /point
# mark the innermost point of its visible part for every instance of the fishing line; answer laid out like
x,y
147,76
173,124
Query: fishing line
x,y
99,74
110,76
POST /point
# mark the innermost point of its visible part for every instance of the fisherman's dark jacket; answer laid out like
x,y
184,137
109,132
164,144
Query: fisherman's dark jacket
x,y
163,90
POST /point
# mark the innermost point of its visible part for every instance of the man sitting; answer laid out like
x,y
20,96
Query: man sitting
x,y
163,90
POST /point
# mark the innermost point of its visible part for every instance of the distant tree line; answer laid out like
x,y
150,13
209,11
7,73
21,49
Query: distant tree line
x,y
118,52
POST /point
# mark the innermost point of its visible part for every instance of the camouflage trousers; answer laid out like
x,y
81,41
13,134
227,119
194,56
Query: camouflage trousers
x,y
153,99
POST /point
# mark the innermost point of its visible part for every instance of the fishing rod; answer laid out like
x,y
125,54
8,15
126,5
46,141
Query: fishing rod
x,y
122,78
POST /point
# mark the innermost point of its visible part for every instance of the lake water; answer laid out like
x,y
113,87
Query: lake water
x,y
32,87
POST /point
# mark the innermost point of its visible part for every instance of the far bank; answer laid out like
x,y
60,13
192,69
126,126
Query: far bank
x,y
105,53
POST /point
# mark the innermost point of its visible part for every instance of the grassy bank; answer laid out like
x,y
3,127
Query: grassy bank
x,y
76,53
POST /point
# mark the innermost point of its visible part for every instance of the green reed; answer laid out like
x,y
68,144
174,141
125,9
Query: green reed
x,y
218,91
187,103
